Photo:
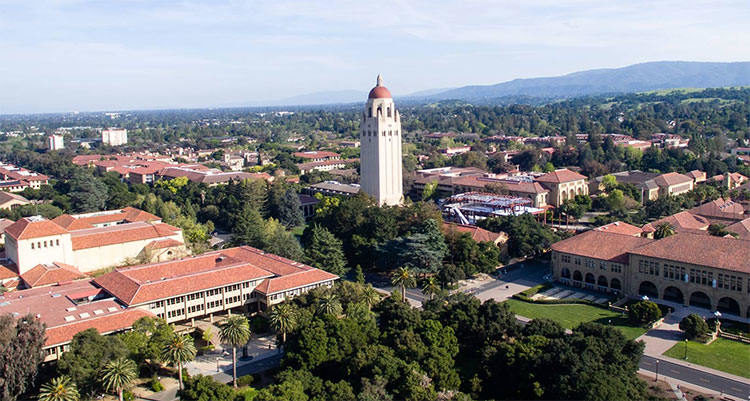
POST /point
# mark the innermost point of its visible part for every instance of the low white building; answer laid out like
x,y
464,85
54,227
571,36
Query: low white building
x,y
115,136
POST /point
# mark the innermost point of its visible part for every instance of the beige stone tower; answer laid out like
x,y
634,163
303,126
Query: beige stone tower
x,y
380,151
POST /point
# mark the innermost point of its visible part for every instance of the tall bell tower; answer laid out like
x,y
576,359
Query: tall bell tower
x,y
380,149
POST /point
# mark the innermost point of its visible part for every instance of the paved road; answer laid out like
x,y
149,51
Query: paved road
x,y
225,376
698,377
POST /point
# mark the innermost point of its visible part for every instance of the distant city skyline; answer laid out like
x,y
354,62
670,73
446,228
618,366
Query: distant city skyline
x,y
78,55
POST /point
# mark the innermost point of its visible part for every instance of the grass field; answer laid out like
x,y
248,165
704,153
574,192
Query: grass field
x,y
571,315
725,355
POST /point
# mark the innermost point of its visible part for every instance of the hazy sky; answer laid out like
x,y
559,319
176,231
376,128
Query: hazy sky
x,y
70,55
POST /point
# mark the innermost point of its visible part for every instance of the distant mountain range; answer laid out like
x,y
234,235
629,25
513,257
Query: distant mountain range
x,y
633,78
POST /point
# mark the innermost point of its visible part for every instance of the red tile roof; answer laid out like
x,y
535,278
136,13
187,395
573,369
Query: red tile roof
x,y
141,284
618,227
741,228
55,273
294,280
670,179
33,227
561,175
146,283
601,245
477,234
104,324
127,214
4,223
316,154
163,243
681,222
702,250
121,233
720,208
7,273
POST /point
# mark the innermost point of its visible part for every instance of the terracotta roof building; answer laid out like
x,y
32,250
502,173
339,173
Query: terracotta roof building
x,y
721,210
700,270
618,227
317,155
741,228
563,184
241,279
477,234
681,222
88,241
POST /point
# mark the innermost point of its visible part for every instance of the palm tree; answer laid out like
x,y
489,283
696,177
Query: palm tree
x,y
118,375
431,287
283,318
59,389
369,296
235,332
404,279
179,349
329,305
663,230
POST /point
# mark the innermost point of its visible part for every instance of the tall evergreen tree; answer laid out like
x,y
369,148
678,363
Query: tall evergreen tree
x,y
290,209
325,251
21,344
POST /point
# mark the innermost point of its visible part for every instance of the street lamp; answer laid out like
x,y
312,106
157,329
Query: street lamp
x,y
217,364
657,371
686,342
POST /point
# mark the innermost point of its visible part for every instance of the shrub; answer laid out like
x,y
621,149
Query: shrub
x,y
155,384
259,324
245,380
128,395
694,326
644,312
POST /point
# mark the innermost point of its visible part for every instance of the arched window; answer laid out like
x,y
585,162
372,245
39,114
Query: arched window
x,y
369,113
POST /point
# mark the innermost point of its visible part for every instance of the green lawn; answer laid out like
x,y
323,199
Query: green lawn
x,y
571,315
725,355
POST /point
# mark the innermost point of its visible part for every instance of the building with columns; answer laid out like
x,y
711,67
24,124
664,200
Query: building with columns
x,y
686,268
380,150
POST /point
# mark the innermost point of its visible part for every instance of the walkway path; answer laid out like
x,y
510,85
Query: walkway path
x,y
664,337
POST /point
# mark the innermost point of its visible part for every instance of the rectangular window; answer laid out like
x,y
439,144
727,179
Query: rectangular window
x,y
32,245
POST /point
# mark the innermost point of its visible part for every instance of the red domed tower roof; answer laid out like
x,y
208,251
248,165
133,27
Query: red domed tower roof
x,y
379,91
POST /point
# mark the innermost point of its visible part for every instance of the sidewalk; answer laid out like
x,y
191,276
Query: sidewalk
x,y
220,359
664,337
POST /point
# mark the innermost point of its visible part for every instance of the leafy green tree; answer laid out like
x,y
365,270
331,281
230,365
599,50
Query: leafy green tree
x,y
329,304
359,275
177,351
279,241
157,332
422,251
89,353
663,230
59,389
205,388
644,312
21,342
288,390
370,296
118,375
283,319
235,332
374,390
720,230
403,278
431,287
249,227
88,193
694,326
325,251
